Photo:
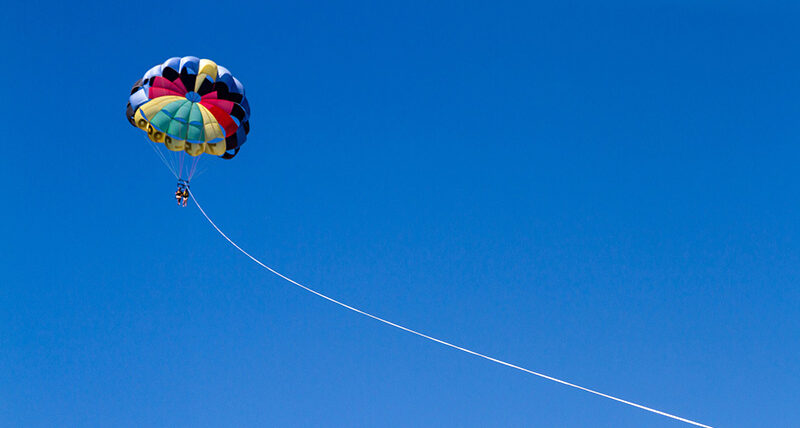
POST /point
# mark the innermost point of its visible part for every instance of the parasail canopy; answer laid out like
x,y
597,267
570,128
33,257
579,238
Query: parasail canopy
x,y
191,105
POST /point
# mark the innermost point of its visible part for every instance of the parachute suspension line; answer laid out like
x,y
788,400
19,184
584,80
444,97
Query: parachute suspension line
x,y
200,167
195,161
433,339
180,164
164,160
172,158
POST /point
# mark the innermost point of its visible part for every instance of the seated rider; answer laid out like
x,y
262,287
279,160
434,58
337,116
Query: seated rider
x,y
185,195
178,195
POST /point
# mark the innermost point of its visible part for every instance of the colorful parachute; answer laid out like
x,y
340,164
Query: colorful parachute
x,y
192,106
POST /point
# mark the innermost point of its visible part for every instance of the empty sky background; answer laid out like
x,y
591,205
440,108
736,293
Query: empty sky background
x,y
603,193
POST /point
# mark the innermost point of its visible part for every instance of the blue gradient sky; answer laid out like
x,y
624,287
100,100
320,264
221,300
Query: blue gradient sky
x,y
607,194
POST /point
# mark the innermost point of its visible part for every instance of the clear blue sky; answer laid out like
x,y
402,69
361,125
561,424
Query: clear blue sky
x,y
607,194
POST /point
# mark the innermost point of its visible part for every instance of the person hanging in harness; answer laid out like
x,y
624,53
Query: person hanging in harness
x,y
182,194
185,195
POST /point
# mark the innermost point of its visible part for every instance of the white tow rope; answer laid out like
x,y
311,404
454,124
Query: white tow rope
x,y
332,300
